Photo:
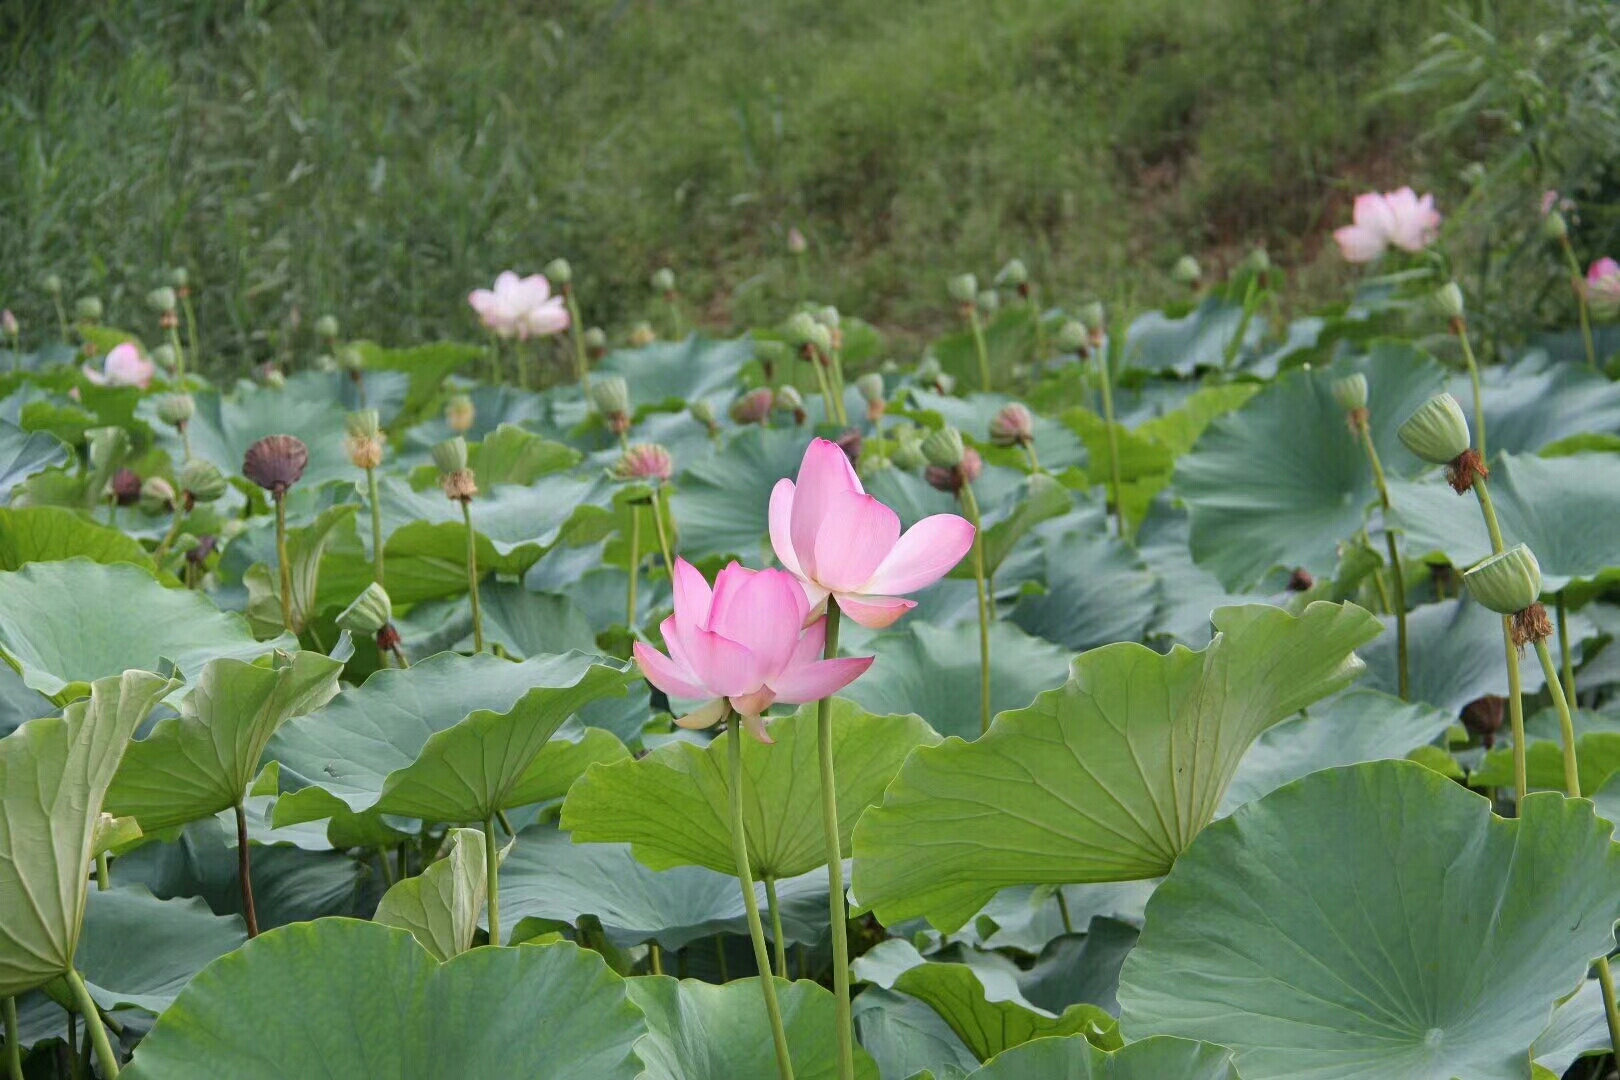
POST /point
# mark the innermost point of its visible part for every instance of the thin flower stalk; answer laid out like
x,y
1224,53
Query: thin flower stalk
x,y
970,509
492,880
95,1030
837,919
1398,570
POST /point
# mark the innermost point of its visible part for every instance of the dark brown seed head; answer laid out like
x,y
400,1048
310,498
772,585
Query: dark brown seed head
x,y
126,487
387,638
275,463
1464,469
1483,717
1300,580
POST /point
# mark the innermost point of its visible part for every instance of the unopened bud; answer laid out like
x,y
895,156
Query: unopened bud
x,y
1447,301
162,299
370,612
88,309
610,394
1554,227
179,278
642,335
1186,271
176,409
8,323
364,440
595,340
645,461
1257,261
326,327
703,413
125,487
964,288
754,407
989,302
459,413
1091,316
52,284
788,399
163,356
796,243
1013,274
157,495
944,447
907,453
1350,392
663,280
1014,425
870,386
558,272
450,455
1071,336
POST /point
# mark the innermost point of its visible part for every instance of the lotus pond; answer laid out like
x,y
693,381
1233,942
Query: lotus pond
x,y
1143,695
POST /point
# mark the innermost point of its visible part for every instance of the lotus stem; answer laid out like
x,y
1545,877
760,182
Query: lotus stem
x,y
756,931
1396,567
677,326
376,527
1611,1011
285,564
14,1070
191,333
1567,662
635,567
244,872
1106,378
1235,345
1029,452
582,365
169,537
92,1024
1580,302
980,348
1521,771
1473,377
655,958
1040,331
492,877
838,921
472,576
663,535
61,317
970,505
720,956
1063,910
179,355
777,939
835,373
103,873
826,389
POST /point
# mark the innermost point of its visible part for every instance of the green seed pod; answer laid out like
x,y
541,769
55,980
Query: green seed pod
x,y
52,284
1351,392
928,369
964,288
179,278
157,495
1013,274
827,316
175,409
162,299
988,302
1447,301
611,395
351,359
370,612
459,413
1186,271
944,447
1092,315
1256,261
596,339
88,308
558,272
1071,336
642,334
1554,227
1437,432
870,386
450,455
202,480
327,327
163,356
1507,583
800,328
363,424
663,280
908,453
702,412
789,399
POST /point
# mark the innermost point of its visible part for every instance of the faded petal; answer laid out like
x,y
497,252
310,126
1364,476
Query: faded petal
x,y
706,716
1359,244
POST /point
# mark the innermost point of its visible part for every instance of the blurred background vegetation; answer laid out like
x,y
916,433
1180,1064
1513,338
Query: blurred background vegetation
x,y
377,159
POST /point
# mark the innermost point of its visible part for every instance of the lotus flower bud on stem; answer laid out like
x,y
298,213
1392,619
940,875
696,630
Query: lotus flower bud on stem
x,y
870,386
450,457
1483,717
642,335
796,243
1438,433
201,481
754,407
1351,394
1093,318
790,400
663,280
908,453
164,356
52,284
559,272
1510,584
459,414
1014,275
988,302
964,289
1014,425
157,495
944,447
180,278
703,413
162,300
1186,271
610,394
1071,336
596,342
1447,302
326,327
176,409
645,461
1257,261
88,309
369,612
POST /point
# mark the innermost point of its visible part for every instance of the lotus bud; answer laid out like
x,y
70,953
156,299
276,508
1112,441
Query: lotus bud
x,y
1506,583
370,612
703,413
176,409
52,284
364,440
827,316
162,299
642,334
87,309
870,386
754,407
788,399
1091,315
157,495
1014,425
1447,301
595,341
645,461
8,323
1186,271
928,370
1437,432
107,445
275,463
796,243
125,487
1483,717
559,273
326,327
163,356
611,396
944,447
964,289
201,480
1257,261
800,328
1350,392
663,280
953,480
1554,227
989,302
274,378
450,456
1013,274
459,413
1071,336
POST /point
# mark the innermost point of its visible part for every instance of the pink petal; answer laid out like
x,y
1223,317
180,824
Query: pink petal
x,y
927,552
763,611
692,595
506,282
726,667
1372,213
856,533
818,679
874,612
666,674
94,376
550,317
824,474
705,717
753,704
1359,244
811,643
781,516
755,725
1601,269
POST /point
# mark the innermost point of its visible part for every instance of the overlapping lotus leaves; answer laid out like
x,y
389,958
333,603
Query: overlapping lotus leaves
x,y
1096,589
673,805
668,374
722,502
1535,403
1376,921
1074,1058
24,453
1056,447
53,533
1456,656
1198,339
64,624
441,905
1109,777
139,951
908,1038
520,522
54,772
290,1003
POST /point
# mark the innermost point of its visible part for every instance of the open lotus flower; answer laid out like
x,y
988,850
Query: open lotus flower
x,y
520,307
743,646
1399,218
124,366
841,542
1603,287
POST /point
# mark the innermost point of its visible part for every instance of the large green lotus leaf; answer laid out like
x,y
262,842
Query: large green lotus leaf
x,y
1107,778
1055,445
140,951
341,757
1376,921
52,533
1081,967
440,906
1198,339
1282,480
1537,402
63,624
202,761
673,806
509,516
510,455
547,876
1188,593
934,672
224,426
1456,655
1074,1058
24,453
492,761
1358,725
523,622
721,503
906,1037
54,772
672,373
700,1031
360,1001
1097,590
1579,1027
1564,508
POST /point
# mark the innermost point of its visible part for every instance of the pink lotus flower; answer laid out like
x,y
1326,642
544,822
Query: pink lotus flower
x,y
1398,218
520,307
124,366
841,542
1603,287
743,646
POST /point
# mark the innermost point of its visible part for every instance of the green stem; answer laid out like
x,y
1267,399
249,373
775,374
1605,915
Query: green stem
x,y
1473,377
655,958
1063,910
1521,767
1566,722
777,940
92,1024
244,872
582,365
1040,331
663,536
1394,563
389,877
492,878
677,327
635,567
1568,662
720,957
472,576
1610,1011
13,1043
837,920
285,564
179,356
1234,345
103,873
376,527
61,317
970,504
1580,301
169,537
1488,508
756,931
835,375
826,389
979,348
1106,379
191,330
1029,451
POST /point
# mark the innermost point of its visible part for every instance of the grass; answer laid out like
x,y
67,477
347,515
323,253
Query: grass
x,y
377,160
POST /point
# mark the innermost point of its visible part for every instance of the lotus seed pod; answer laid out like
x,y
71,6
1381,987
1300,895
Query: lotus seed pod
x,y
175,409
163,356
459,413
1507,583
944,447
450,455
107,445
52,284
370,612
907,453
1257,261
928,369
1091,316
796,243
162,299
201,480
201,547
1071,336
88,309
363,424
596,339
753,407
1013,274
645,461
364,441
610,394
703,413
125,487
1351,392
1437,432
790,400
157,495
1447,301
964,288
1186,271
870,386
642,334
558,272
327,327
989,302
351,359
275,463
800,328
827,316
1014,425
663,280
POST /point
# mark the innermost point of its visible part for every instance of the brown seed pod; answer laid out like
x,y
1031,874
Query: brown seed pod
x,y
1483,717
275,463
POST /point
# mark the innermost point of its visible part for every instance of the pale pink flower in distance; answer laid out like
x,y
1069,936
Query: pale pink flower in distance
x,y
124,366
841,542
520,307
743,646
1399,218
1549,199
1603,287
